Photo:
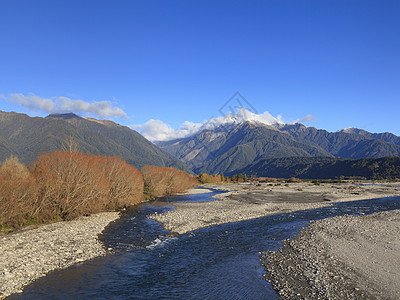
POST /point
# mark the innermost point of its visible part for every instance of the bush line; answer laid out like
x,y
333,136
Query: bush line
x,y
63,185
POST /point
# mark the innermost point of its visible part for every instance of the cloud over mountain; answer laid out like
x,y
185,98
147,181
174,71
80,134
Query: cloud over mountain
x,y
307,118
157,130
100,109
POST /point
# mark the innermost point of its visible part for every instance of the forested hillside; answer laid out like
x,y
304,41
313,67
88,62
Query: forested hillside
x,y
325,168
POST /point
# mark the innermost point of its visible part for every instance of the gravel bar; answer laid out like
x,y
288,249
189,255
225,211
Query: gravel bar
x,y
246,201
28,254
345,257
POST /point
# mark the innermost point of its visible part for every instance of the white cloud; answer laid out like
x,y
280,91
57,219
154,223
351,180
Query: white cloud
x,y
308,118
241,116
100,109
157,130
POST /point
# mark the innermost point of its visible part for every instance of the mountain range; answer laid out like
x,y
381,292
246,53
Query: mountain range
x,y
229,149
240,146
325,168
26,137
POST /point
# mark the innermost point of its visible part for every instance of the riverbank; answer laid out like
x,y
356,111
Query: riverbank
x,y
245,201
30,253
345,257
195,191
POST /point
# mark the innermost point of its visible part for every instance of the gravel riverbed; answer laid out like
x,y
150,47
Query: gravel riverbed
x,y
28,254
244,201
31,253
345,257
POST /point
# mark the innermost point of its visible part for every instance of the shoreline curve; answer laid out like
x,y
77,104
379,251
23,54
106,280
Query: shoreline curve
x,y
29,254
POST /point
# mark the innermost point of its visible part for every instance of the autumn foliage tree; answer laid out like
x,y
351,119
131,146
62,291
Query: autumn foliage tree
x,y
161,181
125,183
72,183
63,185
207,178
17,193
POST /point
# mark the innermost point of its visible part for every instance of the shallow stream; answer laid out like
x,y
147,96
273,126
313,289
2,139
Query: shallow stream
x,y
219,262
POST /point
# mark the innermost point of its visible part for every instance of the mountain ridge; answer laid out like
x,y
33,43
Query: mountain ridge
x,y
233,149
228,151
26,137
325,168
225,149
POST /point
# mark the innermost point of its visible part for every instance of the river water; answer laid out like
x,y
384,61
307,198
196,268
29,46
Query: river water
x,y
219,262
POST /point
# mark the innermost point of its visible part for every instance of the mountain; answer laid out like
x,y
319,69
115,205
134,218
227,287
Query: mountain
x,y
226,150
347,143
325,168
249,147
385,136
230,148
27,137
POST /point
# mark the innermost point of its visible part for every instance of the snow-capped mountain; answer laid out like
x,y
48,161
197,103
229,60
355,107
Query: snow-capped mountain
x,y
234,143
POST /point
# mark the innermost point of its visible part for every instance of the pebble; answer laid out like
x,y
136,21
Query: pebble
x,y
317,273
236,204
29,254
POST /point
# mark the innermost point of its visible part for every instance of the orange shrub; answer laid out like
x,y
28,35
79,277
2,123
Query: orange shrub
x,y
63,185
126,183
70,184
294,179
73,184
160,181
207,178
17,193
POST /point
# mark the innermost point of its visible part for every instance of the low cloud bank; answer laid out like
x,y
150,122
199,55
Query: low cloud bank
x,y
157,130
51,105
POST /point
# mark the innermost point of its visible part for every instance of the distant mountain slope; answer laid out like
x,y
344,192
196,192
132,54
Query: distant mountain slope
x,y
385,136
325,167
230,148
27,137
354,143
226,151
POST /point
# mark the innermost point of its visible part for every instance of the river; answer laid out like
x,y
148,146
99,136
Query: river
x,y
219,262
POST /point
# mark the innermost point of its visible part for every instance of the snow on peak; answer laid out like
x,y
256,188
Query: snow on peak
x,y
348,130
156,130
242,115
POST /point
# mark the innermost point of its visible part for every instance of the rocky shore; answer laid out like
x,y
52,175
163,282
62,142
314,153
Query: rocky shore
x,y
31,253
346,257
244,201
28,254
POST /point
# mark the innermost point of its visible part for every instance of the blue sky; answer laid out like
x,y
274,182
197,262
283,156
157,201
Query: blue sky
x,y
177,61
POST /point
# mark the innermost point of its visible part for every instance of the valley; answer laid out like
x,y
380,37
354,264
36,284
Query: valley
x,y
228,256
353,172
205,150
